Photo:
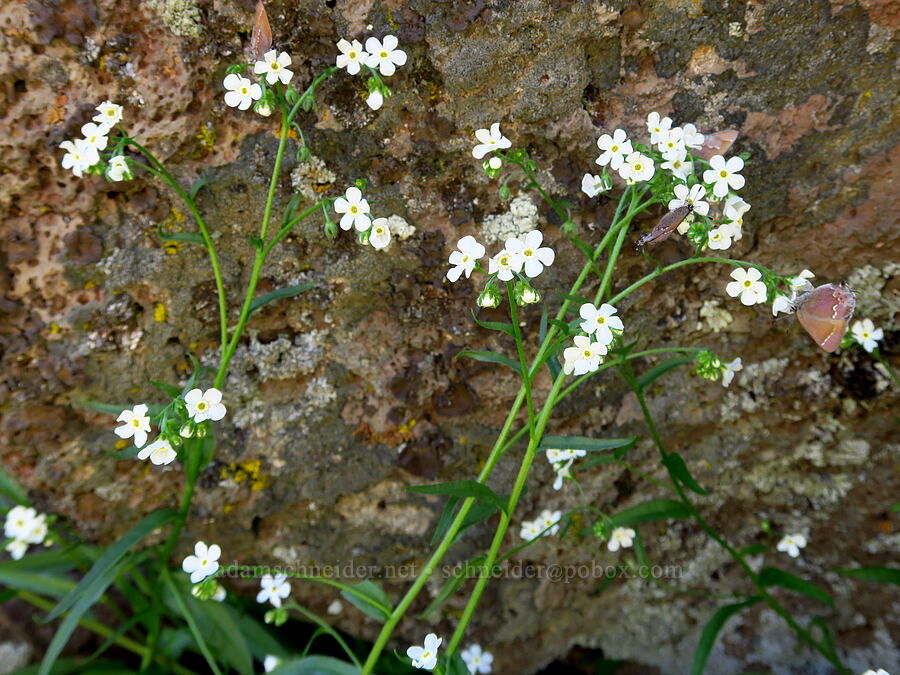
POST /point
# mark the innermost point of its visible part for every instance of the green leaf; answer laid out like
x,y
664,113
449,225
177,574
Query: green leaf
x,y
316,665
563,327
661,369
219,624
886,575
291,209
44,584
656,509
445,519
771,576
261,641
190,237
11,490
585,443
640,552
752,549
280,294
491,357
711,631
199,183
461,488
116,408
827,640
174,392
577,299
675,463
372,591
895,508
191,621
495,325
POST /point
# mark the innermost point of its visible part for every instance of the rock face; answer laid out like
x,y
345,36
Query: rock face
x,y
342,397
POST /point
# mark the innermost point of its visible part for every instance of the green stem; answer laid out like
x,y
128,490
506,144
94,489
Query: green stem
x,y
877,354
517,335
326,628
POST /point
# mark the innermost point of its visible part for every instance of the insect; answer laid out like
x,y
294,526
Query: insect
x,y
666,225
717,143
825,313
261,38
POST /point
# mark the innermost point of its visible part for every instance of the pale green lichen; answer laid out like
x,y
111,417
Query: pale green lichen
x,y
521,218
872,301
716,318
311,178
181,16
400,228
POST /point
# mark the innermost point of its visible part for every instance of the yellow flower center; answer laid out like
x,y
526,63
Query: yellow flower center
x,y
354,209
465,258
601,320
723,173
528,252
204,562
638,167
587,353
504,261
747,283
379,230
135,422
351,55
383,54
244,91
275,65
614,148
201,405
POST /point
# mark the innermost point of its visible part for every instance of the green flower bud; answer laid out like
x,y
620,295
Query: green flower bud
x,y
490,296
708,365
525,294
277,616
331,230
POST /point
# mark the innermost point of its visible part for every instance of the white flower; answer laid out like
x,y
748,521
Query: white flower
x,y
801,281
535,258
95,135
375,100
671,141
351,57
747,285
108,113
600,322
621,537
17,548
880,671
204,405
354,208
490,140
274,589
241,91
865,333
615,149
729,369
203,563
79,156
593,185
135,422
584,357
384,55
675,162
549,519
118,169
270,663
530,530
637,167
275,69
692,137
220,594
719,238
20,522
724,175
477,661
159,451
734,211
657,126
791,544
495,163
555,455
782,303
336,607
425,657
380,235
465,257
693,196
506,264
563,471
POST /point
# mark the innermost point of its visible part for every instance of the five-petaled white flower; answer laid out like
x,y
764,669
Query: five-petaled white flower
x,y
425,657
671,141
354,208
478,662
465,257
719,238
801,281
271,662
380,234
729,369
490,140
657,126
615,149
677,163
549,521
747,285
274,67
563,470
734,211
592,185
135,422
274,589
692,137
384,55
534,256
241,91
95,135
108,113
530,530
118,168
637,167
375,100
351,57
555,455
791,544
24,526
692,196
600,322
724,175
79,156
782,303
204,405
203,563
584,357
159,451
505,264
865,333
621,537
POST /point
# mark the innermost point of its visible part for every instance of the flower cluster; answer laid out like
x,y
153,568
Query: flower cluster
x,y
547,523
24,526
561,461
379,56
477,661
272,70
601,327
188,418
710,367
791,544
84,154
518,259
425,657
355,212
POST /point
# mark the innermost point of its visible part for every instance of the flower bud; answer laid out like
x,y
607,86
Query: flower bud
x,y
569,228
331,230
708,365
490,297
504,192
263,107
277,616
525,294
291,95
492,167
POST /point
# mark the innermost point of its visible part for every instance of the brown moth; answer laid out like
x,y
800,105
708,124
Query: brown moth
x,y
825,313
666,226
717,143
261,38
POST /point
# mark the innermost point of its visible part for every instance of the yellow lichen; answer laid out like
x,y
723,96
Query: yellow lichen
x,y
159,312
406,428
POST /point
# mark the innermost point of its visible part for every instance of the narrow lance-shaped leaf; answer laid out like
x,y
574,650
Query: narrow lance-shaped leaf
x,y
675,463
495,325
461,488
373,591
711,631
491,357
280,294
887,575
585,443
771,576
656,509
661,369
